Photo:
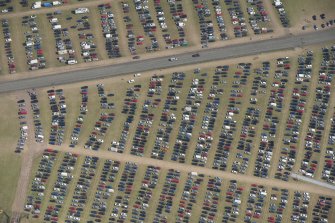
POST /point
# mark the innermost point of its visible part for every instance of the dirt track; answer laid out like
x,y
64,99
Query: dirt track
x,y
211,172
31,151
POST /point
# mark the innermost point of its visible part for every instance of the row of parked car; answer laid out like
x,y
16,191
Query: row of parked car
x,y
8,46
139,211
64,46
40,182
219,19
229,127
121,206
168,117
6,6
60,190
147,115
33,43
189,116
237,18
205,136
273,113
105,190
321,209
80,119
39,133
282,13
97,136
188,198
129,109
278,204
22,115
259,19
168,192
179,18
318,121
82,189
203,11
109,30
58,113
148,24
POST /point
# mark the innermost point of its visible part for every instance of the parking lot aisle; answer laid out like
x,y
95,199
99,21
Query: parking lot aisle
x,y
176,196
222,110
48,40
194,186
210,119
17,43
279,205
244,5
284,117
125,191
91,191
73,107
118,15
142,192
93,111
308,110
262,101
57,194
51,182
192,29
158,32
77,172
324,141
157,114
115,129
140,39
97,32
136,117
3,59
180,86
72,33
315,82
194,204
226,19
323,112
151,210
192,121
151,107
239,94
111,199
275,22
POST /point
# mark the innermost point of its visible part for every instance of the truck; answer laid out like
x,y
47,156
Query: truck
x,y
37,5
64,174
55,27
81,10
55,3
34,61
70,62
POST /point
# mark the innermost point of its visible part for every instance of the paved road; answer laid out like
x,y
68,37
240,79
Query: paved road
x,y
313,181
252,48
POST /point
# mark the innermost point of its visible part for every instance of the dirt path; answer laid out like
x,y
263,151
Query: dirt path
x,y
296,185
32,151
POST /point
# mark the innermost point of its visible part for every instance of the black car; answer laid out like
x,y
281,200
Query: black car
x,y
196,55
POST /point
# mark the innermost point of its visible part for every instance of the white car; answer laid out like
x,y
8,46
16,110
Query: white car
x,y
137,75
173,59
131,81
